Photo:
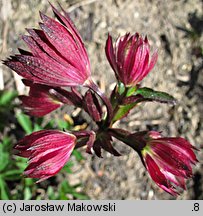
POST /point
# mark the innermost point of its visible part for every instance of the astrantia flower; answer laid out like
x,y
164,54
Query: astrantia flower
x,y
57,54
130,58
168,160
47,152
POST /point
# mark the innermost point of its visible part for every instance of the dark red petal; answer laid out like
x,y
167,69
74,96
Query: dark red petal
x,y
24,52
43,135
37,106
50,72
175,159
129,63
69,23
165,165
183,145
121,47
41,39
47,150
21,70
140,60
65,20
153,60
63,41
34,47
48,165
158,176
143,71
177,180
110,53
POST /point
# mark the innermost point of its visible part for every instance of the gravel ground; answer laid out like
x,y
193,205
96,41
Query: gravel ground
x,y
178,72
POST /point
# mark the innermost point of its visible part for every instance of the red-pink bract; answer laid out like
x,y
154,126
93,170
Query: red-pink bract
x,y
129,57
57,54
47,152
169,161
41,100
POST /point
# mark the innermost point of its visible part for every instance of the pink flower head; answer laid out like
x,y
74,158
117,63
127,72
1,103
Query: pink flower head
x,y
57,54
41,100
129,58
47,152
168,161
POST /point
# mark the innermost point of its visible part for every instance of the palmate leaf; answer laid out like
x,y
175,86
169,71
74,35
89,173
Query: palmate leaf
x,y
149,94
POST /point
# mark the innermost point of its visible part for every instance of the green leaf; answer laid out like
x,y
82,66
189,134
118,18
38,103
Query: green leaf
x,y
12,175
4,158
78,155
146,94
151,95
27,193
63,124
39,120
51,194
68,167
6,97
50,125
29,182
37,127
4,191
123,111
80,196
21,163
6,141
25,122
131,91
7,144
64,189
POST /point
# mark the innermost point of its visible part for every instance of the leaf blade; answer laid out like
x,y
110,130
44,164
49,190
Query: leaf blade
x,y
149,94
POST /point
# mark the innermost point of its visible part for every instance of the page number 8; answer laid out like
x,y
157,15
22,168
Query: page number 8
x,y
196,207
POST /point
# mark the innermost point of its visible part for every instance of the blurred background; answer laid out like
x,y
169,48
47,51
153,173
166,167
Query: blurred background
x,y
175,28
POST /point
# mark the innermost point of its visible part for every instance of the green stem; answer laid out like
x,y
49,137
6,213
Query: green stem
x,y
119,102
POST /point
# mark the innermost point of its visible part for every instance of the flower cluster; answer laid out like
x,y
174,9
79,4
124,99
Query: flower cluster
x,y
58,59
